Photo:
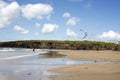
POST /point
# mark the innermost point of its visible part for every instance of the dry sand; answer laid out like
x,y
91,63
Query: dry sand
x,y
97,71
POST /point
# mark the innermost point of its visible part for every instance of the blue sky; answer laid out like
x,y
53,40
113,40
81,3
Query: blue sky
x,y
60,20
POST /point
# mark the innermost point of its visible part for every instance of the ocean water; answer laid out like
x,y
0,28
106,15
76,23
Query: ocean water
x,y
24,64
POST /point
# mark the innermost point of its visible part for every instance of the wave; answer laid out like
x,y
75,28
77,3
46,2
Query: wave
x,y
21,56
7,49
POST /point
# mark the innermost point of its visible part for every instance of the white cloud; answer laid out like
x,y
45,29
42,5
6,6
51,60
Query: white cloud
x,y
25,32
109,36
20,29
8,13
71,34
66,15
37,24
72,21
36,10
49,28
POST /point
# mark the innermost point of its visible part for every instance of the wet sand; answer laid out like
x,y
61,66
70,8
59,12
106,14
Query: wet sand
x,y
107,70
24,64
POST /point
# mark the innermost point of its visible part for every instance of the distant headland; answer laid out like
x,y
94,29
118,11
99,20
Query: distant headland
x,y
60,44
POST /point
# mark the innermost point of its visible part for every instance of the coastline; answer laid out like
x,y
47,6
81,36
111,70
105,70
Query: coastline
x,y
97,71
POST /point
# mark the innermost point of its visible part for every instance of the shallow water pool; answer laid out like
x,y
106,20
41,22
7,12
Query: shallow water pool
x,y
24,64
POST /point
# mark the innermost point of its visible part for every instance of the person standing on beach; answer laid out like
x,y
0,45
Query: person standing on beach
x,y
33,49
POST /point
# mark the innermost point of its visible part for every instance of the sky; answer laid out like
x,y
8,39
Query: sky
x,y
60,20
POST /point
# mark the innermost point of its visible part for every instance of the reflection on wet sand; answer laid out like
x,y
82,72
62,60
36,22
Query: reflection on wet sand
x,y
24,64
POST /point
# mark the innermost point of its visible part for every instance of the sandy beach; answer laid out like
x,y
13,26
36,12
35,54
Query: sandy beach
x,y
109,70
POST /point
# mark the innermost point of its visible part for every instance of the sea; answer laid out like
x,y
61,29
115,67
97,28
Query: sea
x,y
26,64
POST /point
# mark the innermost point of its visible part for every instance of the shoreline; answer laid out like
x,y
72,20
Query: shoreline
x,y
97,71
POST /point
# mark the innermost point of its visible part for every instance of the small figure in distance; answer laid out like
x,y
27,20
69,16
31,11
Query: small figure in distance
x,y
33,49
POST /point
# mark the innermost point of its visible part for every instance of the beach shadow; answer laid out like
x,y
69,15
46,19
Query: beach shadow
x,y
52,54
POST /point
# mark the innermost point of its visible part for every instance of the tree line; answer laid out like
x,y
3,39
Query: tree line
x,y
59,44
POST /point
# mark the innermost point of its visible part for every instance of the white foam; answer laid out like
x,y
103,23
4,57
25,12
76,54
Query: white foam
x,y
21,56
7,49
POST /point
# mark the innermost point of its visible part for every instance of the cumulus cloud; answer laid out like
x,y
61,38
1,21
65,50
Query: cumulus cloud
x,y
20,29
49,28
71,34
25,32
37,24
72,21
109,36
38,11
66,15
8,13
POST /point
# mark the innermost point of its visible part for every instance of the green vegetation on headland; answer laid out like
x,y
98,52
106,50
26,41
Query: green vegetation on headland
x,y
57,44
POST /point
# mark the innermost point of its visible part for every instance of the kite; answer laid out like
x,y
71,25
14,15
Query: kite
x,y
85,34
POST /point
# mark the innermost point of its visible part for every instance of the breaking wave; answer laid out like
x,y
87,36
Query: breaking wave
x,y
20,56
7,49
